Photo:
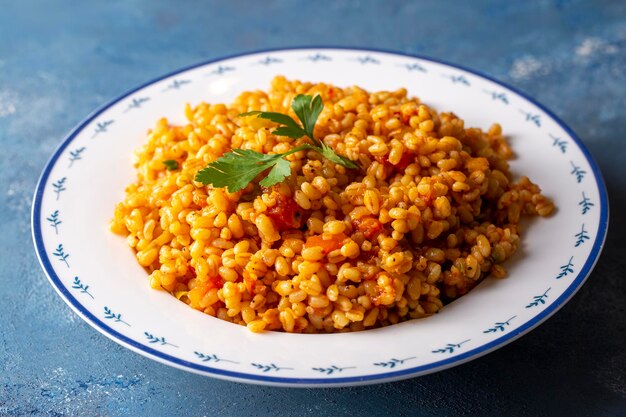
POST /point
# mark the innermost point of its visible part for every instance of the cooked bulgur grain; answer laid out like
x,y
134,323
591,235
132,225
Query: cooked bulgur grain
x,y
434,210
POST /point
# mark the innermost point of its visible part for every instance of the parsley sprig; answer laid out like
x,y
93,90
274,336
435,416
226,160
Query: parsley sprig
x,y
170,164
237,168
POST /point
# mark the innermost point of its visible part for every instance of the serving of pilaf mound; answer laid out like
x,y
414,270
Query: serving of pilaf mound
x,y
432,211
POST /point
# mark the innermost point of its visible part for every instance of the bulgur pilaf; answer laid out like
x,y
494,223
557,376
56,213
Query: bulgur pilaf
x,y
432,212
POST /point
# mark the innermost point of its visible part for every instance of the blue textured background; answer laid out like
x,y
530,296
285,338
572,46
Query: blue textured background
x,y
59,60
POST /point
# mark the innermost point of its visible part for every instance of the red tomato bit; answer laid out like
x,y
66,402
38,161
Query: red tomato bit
x,y
368,225
407,159
327,245
286,214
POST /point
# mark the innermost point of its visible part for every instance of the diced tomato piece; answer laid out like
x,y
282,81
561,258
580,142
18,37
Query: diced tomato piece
x,y
384,160
407,159
327,245
249,281
428,198
286,214
199,200
368,225
212,282
215,282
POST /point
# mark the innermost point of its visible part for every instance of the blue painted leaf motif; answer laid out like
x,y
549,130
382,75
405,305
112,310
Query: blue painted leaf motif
x,y
270,367
586,204
110,315
450,347
61,255
367,59
84,289
136,103
559,143
539,299
414,67
220,70
176,84
318,57
499,326
332,369
530,117
54,221
498,96
268,60
578,172
393,362
102,127
566,269
59,186
75,155
581,236
457,79
213,357
160,340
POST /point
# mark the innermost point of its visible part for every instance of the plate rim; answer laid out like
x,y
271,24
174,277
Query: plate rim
x,y
179,363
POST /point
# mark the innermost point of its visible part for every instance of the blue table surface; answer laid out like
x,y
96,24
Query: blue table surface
x,y
59,60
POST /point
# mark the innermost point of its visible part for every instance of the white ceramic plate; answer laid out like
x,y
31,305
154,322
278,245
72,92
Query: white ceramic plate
x,y
97,275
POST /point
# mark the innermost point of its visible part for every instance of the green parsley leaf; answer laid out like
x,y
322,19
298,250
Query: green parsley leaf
x,y
170,164
295,133
236,169
279,118
290,129
330,154
250,113
308,110
278,174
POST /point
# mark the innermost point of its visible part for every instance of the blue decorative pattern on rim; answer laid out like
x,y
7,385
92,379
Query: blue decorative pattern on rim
x,y
136,103
220,70
54,221
160,340
566,269
559,143
498,96
61,255
270,367
318,57
332,369
531,117
499,326
176,85
268,60
367,59
578,172
539,299
393,362
75,155
59,186
84,289
414,67
117,318
581,236
451,347
585,204
102,127
213,357
457,79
